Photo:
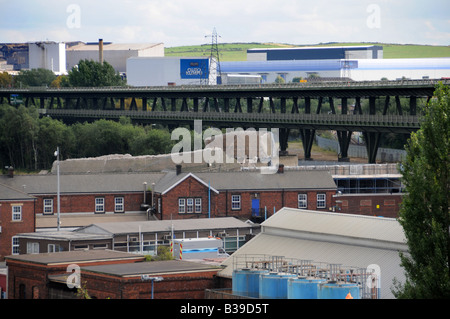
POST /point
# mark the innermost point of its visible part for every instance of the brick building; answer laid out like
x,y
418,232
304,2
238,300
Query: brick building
x,y
241,194
106,274
17,211
383,205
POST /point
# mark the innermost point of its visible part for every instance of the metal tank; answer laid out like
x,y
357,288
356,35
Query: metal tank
x,y
303,287
338,290
274,285
245,282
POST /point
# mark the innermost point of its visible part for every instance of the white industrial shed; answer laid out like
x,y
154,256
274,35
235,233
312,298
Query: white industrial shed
x,y
47,55
349,240
115,54
356,69
162,71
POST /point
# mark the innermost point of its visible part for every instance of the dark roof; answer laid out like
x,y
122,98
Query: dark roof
x,y
80,256
9,193
165,225
254,180
150,268
82,183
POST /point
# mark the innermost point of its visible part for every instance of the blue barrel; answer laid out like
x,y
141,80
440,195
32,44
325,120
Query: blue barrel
x,y
245,282
337,290
303,288
274,285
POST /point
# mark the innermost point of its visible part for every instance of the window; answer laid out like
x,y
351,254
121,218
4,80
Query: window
x,y
32,248
118,205
48,206
198,205
16,212
236,202
302,201
99,205
181,205
321,203
190,205
15,245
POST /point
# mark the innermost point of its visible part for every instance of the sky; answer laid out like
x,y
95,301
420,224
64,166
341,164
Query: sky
x,y
191,22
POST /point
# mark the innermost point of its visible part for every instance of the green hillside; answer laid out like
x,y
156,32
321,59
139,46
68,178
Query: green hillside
x,y
238,51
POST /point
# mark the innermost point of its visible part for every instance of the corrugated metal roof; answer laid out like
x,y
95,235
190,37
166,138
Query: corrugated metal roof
x,y
346,225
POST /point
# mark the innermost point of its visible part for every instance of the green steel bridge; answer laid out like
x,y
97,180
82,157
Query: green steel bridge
x,y
372,108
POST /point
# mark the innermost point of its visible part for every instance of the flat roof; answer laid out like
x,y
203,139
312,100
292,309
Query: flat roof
x,y
63,235
151,268
80,256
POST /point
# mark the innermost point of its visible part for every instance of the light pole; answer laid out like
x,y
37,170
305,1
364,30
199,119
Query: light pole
x,y
153,279
58,187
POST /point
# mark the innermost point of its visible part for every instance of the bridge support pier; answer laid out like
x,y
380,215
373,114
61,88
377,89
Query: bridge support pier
x,y
372,141
307,137
284,135
344,139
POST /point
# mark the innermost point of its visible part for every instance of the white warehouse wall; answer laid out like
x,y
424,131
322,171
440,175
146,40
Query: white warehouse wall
x,y
161,71
47,55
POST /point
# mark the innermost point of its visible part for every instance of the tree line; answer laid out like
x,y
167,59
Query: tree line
x,y
28,142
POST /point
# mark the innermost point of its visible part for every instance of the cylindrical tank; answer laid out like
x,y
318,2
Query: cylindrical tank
x,y
338,290
274,285
245,282
303,288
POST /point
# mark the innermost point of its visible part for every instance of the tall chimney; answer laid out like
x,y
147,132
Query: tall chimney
x,y
11,172
100,51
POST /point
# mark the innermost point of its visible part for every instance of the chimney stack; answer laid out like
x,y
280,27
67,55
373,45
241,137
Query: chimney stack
x,y
281,169
178,169
100,51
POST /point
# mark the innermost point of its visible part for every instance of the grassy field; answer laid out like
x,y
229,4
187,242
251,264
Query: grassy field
x,y
238,51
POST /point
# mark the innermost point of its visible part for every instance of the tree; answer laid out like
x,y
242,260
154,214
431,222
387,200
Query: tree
x,y
424,213
89,73
35,77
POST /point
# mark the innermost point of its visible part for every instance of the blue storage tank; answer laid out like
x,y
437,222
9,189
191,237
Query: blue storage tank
x,y
274,285
245,282
303,288
338,290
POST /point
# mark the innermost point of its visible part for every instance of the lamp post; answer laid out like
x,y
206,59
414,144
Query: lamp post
x,y
58,188
153,279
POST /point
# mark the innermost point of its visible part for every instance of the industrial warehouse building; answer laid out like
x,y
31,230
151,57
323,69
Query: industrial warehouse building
x,y
115,54
346,243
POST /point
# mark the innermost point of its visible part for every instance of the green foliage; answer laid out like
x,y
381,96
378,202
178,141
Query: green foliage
x,y
34,77
163,253
6,80
424,213
89,73
28,142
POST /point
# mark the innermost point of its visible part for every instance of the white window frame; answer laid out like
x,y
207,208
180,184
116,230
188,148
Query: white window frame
x,y
235,202
181,205
16,212
198,205
47,206
302,200
32,248
99,207
119,207
14,245
321,200
189,205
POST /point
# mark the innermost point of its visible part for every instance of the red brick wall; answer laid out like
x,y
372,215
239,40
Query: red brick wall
x,y
85,203
221,203
10,228
386,205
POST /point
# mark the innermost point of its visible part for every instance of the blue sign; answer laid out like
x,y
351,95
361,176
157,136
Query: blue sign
x,y
194,68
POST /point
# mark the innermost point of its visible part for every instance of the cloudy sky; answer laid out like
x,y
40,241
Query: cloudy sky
x,y
185,22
